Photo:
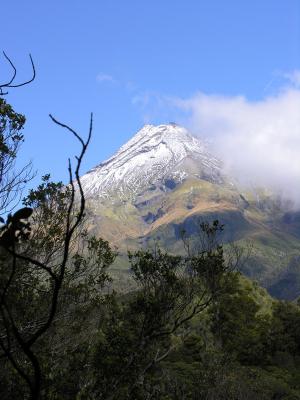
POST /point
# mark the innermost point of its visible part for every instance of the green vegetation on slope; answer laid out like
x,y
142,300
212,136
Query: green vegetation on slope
x,y
251,218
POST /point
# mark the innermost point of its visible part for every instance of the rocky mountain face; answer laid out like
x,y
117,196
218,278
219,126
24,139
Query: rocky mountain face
x,y
164,180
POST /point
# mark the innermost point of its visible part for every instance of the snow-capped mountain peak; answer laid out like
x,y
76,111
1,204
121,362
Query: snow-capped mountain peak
x,y
155,154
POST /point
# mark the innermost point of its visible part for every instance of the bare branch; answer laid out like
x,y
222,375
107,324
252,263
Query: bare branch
x,y
68,128
10,84
14,74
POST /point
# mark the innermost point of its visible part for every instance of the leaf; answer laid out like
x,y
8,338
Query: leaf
x,y
23,213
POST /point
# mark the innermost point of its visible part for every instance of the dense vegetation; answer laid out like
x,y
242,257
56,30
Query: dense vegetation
x,y
193,327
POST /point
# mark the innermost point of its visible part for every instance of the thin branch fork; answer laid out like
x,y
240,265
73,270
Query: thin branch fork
x,y
69,230
10,83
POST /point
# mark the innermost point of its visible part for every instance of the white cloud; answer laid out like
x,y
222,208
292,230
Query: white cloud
x,y
105,78
259,141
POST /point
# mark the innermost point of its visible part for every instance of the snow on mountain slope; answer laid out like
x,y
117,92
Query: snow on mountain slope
x,y
155,154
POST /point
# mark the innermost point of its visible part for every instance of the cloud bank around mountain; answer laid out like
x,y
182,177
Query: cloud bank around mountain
x,y
259,141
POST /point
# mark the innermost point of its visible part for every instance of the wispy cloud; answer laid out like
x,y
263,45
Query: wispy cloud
x,y
105,78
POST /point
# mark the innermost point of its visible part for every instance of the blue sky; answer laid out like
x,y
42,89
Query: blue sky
x,y
123,59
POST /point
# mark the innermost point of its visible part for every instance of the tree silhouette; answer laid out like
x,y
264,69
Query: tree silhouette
x,y
19,335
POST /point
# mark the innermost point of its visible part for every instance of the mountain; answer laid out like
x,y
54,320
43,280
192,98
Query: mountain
x,y
164,154
165,180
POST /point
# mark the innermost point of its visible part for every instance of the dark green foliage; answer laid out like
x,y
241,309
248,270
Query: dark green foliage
x,y
236,324
240,353
11,125
139,331
11,137
30,293
285,330
191,330
34,268
161,341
